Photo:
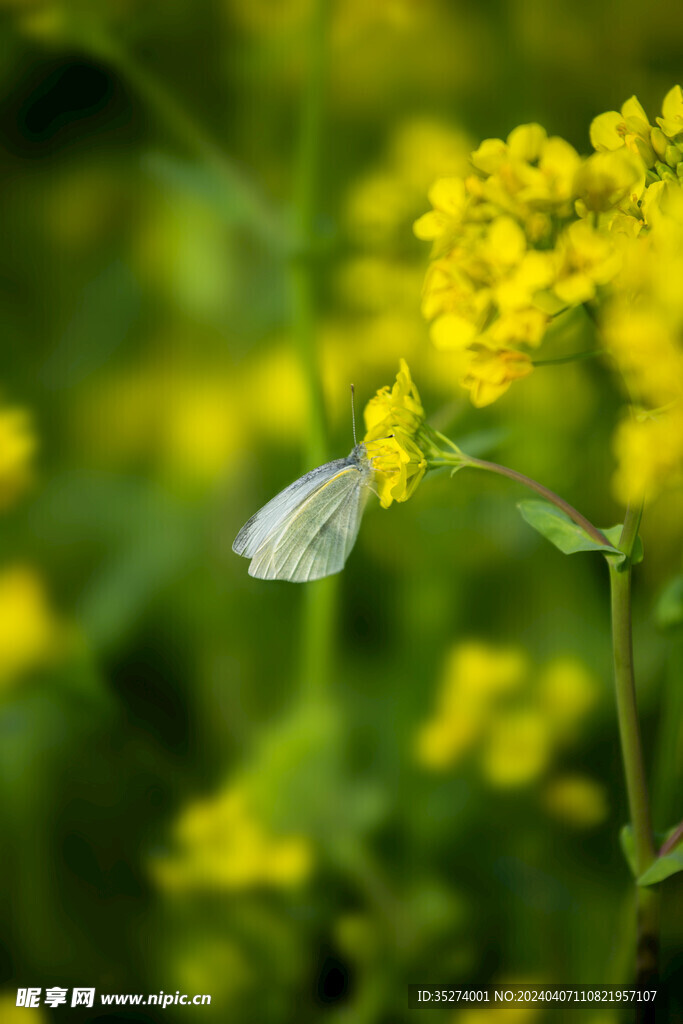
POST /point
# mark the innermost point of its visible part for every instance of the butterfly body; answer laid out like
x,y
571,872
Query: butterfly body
x,y
307,531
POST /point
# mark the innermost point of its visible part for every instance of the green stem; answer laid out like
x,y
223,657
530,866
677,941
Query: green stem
x,y
545,492
320,599
647,899
302,264
253,206
629,731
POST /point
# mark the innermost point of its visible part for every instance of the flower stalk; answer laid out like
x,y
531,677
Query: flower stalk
x,y
459,460
620,572
647,899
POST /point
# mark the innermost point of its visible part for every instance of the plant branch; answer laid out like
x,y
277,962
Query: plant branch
x,y
545,492
648,900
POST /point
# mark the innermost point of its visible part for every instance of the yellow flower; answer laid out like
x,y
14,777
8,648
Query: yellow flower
x,y
537,230
630,128
28,630
442,741
588,258
449,199
479,669
490,703
567,692
576,800
518,748
220,844
671,121
17,447
399,404
393,419
475,676
649,455
491,372
487,290
607,180
399,466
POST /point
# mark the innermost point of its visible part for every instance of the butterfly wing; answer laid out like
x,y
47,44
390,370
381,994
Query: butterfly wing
x,y
315,538
267,520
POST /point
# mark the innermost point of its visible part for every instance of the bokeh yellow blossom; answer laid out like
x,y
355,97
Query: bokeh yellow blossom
x,y
493,703
491,372
384,200
475,676
28,628
576,800
392,420
17,448
643,330
517,748
649,454
10,1013
219,844
567,692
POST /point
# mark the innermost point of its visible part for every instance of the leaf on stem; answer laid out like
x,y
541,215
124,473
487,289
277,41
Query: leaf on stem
x,y
559,529
556,526
662,867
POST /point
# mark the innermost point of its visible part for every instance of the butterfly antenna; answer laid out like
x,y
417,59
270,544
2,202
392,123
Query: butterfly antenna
x,y
353,415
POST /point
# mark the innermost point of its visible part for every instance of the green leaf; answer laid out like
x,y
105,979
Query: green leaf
x,y
628,847
560,530
663,867
669,608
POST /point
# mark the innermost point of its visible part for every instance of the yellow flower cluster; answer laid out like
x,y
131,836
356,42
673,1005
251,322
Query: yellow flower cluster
x,y
535,230
488,290
221,845
393,419
492,705
643,329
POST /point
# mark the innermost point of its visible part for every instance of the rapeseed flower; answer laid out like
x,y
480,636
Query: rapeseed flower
x,y
475,677
219,843
493,705
393,438
517,748
490,372
537,230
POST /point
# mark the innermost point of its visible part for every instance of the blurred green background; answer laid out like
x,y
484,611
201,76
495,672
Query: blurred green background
x,y
295,799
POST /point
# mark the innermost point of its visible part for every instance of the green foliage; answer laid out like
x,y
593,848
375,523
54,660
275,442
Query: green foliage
x,y
569,537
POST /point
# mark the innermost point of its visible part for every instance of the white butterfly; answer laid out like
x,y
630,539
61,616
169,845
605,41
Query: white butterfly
x,y
308,530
